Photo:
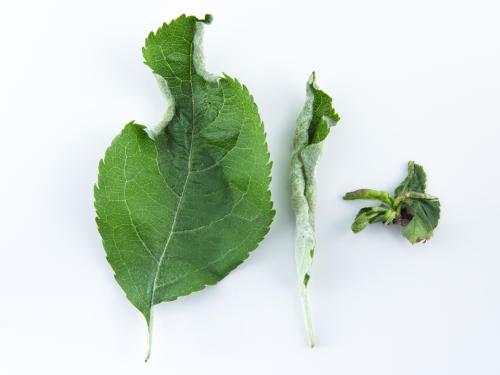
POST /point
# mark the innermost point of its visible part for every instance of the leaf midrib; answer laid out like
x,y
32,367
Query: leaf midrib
x,y
181,197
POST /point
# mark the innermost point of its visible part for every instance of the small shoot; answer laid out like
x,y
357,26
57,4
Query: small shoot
x,y
410,207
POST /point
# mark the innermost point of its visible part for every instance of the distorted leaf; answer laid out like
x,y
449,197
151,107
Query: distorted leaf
x,y
181,205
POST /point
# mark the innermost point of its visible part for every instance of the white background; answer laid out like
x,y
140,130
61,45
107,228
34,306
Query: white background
x,y
411,79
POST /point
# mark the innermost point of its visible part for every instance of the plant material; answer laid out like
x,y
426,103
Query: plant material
x,y
313,126
413,209
180,206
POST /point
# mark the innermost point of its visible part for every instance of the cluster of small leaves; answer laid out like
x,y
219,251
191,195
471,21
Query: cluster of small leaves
x,y
413,209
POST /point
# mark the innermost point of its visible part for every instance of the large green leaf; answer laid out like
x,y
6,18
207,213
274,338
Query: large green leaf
x,y
313,126
179,207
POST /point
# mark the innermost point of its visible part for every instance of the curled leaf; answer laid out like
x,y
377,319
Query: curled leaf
x,y
313,126
370,215
415,180
369,194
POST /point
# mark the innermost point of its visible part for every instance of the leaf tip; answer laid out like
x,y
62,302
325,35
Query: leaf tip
x,y
312,79
208,19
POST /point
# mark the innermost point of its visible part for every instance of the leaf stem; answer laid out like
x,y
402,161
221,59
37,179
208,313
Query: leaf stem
x,y
307,315
150,339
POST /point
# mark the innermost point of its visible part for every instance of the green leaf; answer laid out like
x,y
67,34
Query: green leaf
x,y
412,195
369,194
417,212
370,215
323,114
313,126
415,181
424,213
180,207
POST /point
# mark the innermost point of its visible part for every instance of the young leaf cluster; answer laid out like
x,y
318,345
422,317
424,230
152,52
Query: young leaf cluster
x,y
409,206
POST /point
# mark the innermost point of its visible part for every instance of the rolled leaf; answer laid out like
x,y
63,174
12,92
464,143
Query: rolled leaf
x,y
369,194
313,126
370,215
